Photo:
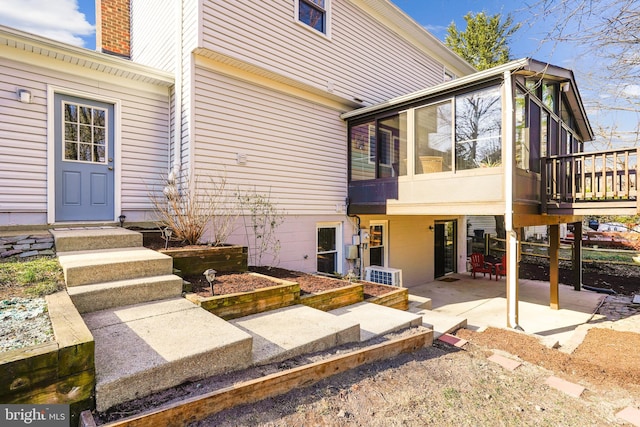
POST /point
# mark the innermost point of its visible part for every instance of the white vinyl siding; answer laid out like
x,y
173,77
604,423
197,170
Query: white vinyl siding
x,y
294,148
153,38
23,132
359,61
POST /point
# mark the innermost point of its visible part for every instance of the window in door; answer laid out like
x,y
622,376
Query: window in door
x,y
328,248
377,244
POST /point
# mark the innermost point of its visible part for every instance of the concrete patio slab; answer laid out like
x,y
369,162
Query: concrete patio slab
x,y
291,331
483,303
376,320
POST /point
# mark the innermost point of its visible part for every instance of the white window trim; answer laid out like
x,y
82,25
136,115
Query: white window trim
x,y
385,238
117,120
327,8
339,243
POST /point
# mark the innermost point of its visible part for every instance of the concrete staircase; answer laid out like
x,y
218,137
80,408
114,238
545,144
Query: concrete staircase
x,y
147,337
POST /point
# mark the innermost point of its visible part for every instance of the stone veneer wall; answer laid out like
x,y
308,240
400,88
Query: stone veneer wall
x,y
26,245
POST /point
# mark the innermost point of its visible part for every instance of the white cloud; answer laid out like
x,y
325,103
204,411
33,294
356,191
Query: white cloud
x,y
632,91
56,19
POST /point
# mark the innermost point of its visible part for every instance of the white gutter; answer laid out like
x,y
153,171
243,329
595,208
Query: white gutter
x,y
443,87
512,236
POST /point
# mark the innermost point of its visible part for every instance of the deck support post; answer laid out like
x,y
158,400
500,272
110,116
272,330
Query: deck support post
x,y
576,258
554,264
512,280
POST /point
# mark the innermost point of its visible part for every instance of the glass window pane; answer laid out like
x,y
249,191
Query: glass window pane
x,y
478,127
389,147
85,115
536,133
375,235
84,153
98,136
327,263
99,117
311,15
326,239
70,132
85,134
433,138
98,153
70,151
363,151
549,96
70,113
523,150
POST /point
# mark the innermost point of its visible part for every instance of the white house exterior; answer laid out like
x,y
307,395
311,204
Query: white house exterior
x,y
261,93
136,99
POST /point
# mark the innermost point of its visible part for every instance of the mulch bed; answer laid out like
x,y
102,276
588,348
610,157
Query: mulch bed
x,y
229,283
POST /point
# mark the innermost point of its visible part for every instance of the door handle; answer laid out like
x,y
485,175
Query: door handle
x,y
110,168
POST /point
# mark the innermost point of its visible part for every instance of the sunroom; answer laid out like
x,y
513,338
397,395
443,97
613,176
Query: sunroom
x,y
507,142
446,146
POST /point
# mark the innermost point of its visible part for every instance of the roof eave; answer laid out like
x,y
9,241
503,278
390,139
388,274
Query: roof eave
x,y
83,57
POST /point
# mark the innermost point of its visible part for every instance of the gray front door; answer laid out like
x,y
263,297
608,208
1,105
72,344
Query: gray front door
x,y
84,181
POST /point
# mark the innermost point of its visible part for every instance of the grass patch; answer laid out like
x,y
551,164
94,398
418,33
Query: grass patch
x,y
32,278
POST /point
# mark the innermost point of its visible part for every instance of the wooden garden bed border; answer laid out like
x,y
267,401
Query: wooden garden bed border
x,y
61,371
198,408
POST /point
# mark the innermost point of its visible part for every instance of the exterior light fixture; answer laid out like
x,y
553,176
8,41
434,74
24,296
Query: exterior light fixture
x,y
121,218
210,275
24,96
166,235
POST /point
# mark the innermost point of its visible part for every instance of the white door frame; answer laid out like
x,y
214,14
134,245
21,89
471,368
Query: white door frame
x,y
117,170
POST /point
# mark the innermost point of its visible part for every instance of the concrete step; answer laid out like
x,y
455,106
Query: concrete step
x,y
417,303
89,238
291,331
376,320
144,348
100,296
441,323
107,265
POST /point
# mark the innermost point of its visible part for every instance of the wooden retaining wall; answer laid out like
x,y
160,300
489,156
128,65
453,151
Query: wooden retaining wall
x,y
61,371
335,298
192,261
232,306
398,298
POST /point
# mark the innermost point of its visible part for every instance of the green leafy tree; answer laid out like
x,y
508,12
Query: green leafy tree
x,y
485,41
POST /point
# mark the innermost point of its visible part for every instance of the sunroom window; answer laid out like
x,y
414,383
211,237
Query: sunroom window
x,y
478,128
433,138
378,148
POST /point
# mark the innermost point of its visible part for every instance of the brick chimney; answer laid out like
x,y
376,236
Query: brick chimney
x,y
113,27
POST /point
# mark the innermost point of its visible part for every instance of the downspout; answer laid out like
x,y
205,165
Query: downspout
x,y
177,131
511,235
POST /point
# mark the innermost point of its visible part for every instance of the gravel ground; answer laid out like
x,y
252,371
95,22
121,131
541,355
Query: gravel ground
x,y
25,322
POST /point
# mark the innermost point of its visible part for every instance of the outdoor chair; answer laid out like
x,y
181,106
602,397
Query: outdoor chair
x,y
478,265
501,267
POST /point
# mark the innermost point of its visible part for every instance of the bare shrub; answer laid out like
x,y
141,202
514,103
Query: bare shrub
x,y
186,206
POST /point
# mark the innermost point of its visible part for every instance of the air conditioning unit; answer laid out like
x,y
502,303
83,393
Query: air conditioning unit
x,y
383,275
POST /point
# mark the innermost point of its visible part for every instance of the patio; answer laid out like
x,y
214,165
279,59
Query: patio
x,y
483,303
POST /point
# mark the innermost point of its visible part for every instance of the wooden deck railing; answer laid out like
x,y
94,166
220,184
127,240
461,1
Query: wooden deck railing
x,y
591,177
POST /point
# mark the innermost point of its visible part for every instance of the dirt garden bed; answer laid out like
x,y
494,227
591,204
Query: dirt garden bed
x,y
263,289
229,283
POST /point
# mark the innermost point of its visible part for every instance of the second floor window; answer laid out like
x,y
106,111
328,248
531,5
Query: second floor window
x,y
314,14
